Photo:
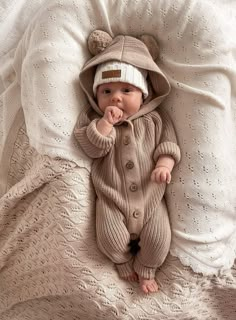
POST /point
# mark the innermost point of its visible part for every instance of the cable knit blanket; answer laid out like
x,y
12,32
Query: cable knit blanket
x,y
50,266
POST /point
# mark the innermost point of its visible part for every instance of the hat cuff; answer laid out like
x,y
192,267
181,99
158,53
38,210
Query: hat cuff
x,y
115,71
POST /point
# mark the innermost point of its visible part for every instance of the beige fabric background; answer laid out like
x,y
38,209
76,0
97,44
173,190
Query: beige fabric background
x,y
196,53
49,260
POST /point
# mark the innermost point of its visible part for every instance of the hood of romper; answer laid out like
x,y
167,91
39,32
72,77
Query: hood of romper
x,y
128,50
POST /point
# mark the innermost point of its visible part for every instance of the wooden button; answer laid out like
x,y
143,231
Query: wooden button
x,y
133,187
136,214
129,165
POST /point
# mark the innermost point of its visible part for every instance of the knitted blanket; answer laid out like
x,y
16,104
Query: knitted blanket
x,y
51,266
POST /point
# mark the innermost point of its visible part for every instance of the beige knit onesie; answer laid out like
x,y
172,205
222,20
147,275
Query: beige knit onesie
x,y
128,203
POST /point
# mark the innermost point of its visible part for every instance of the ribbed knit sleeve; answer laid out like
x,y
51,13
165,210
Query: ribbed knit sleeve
x,y
93,143
168,141
168,148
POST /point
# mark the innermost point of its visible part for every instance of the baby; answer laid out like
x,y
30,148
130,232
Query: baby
x,y
134,149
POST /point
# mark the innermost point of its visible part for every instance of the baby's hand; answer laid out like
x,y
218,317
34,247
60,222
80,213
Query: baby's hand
x,y
161,174
113,114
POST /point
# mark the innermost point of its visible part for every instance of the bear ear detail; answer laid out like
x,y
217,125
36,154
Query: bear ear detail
x,y
151,44
98,41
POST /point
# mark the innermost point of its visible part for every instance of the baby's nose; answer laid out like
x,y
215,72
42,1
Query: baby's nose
x,y
116,97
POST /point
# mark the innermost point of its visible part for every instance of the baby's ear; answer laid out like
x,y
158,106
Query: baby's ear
x,y
151,44
98,41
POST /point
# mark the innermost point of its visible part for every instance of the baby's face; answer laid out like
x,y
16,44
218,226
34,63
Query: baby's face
x,y
122,95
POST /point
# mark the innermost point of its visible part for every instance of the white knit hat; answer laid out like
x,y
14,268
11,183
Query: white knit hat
x,y
115,71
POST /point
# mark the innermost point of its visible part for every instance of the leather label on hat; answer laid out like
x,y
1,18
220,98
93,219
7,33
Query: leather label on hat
x,y
111,74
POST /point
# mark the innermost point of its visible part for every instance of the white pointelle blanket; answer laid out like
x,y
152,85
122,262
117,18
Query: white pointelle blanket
x,y
50,266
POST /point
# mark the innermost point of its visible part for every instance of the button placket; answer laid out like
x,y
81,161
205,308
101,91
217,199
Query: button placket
x,y
132,180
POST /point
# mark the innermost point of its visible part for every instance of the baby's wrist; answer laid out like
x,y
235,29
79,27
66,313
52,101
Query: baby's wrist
x,y
165,161
162,166
106,122
104,127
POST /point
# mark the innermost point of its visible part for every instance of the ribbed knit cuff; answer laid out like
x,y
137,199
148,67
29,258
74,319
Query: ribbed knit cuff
x,y
144,272
97,139
168,148
125,269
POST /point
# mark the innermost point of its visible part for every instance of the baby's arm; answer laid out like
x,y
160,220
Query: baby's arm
x,y
111,116
162,171
94,144
167,152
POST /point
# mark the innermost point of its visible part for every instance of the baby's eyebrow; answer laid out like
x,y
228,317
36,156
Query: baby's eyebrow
x,y
104,88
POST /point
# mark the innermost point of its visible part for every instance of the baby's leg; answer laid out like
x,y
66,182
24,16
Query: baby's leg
x,y
154,246
133,277
113,239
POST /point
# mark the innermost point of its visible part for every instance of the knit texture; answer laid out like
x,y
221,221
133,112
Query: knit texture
x,y
134,52
114,71
58,271
121,171
51,266
128,202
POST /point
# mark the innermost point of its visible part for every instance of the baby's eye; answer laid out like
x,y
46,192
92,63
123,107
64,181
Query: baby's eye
x,y
106,91
127,90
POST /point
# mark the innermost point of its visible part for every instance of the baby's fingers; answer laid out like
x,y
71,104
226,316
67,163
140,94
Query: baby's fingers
x,y
119,114
168,177
155,176
161,176
165,176
110,117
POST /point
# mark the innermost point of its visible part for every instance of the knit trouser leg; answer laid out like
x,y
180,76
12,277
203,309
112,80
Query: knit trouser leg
x,y
154,243
113,238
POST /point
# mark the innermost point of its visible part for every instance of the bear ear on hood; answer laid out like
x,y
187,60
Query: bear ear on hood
x,y
98,41
151,44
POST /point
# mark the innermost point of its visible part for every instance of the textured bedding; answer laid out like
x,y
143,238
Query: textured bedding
x,y
50,266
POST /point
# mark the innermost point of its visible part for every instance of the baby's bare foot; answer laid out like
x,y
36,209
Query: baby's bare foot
x,y
148,285
133,277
